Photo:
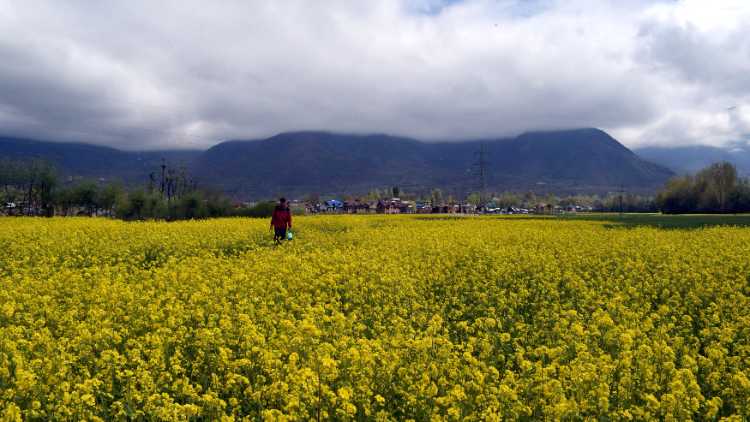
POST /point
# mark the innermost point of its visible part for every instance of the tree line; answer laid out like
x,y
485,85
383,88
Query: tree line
x,y
29,187
715,189
34,188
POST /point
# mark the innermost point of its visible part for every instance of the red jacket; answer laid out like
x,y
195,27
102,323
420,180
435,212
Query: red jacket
x,y
281,218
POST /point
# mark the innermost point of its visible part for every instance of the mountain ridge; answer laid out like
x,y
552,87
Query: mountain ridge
x,y
79,159
693,158
578,160
584,160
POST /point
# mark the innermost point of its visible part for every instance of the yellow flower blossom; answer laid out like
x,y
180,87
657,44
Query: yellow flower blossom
x,y
372,317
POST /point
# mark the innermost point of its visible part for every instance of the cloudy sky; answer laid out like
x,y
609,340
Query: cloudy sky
x,y
144,74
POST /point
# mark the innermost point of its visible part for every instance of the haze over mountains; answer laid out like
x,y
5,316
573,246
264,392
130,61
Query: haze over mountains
x,y
690,159
94,161
299,163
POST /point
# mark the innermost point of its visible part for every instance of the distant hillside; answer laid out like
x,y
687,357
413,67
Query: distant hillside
x,y
584,160
298,163
92,161
691,159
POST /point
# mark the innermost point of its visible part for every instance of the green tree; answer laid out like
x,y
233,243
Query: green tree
x,y
678,196
507,199
47,182
740,197
720,180
529,200
10,179
108,196
64,200
133,206
259,210
189,207
436,197
714,189
85,195
474,198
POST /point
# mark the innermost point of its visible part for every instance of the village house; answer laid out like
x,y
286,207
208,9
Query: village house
x,y
394,206
355,207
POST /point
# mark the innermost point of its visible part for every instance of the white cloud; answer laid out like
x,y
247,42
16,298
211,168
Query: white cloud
x,y
142,74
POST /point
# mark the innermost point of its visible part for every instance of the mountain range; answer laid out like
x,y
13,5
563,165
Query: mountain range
x,y
299,163
88,161
691,159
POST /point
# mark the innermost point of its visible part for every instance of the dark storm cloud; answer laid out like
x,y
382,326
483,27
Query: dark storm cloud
x,y
143,74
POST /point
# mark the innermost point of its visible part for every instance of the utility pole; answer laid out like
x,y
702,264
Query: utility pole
x,y
162,185
481,167
621,192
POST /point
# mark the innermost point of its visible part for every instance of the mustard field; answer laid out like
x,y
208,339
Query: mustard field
x,y
373,318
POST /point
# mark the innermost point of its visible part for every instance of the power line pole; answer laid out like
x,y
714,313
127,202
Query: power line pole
x,y
621,192
481,168
162,184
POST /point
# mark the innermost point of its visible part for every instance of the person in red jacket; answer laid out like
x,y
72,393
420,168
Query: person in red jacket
x,y
281,220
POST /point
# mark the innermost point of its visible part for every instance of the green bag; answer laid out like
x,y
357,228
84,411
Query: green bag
x,y
289,235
